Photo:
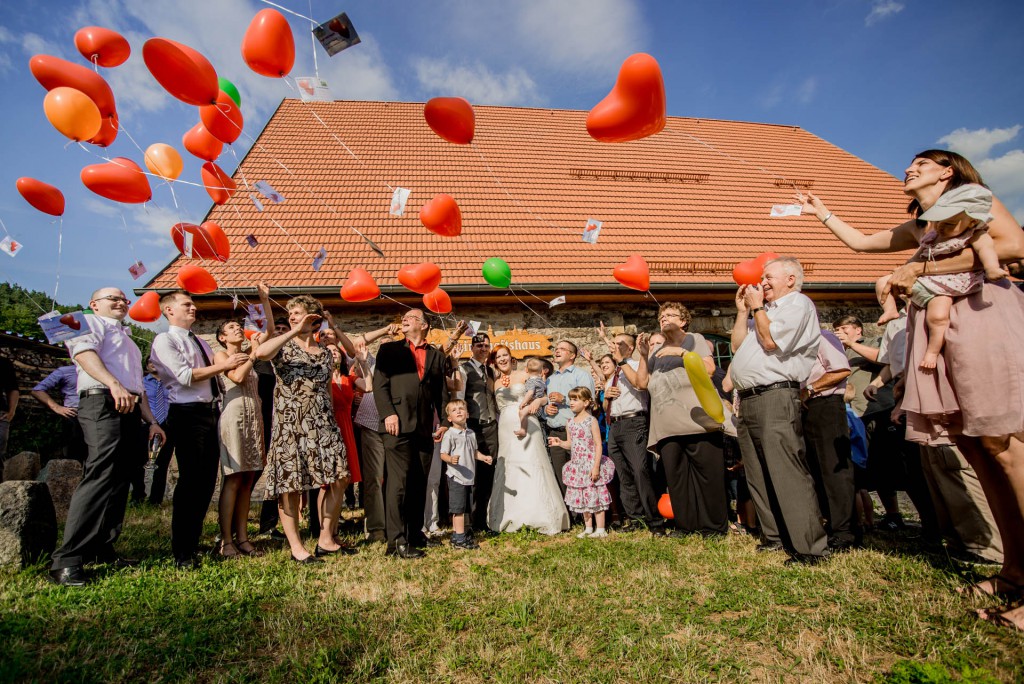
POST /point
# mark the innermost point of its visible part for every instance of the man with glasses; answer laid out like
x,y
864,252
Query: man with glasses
x,y
408,386
483,422
566,376
112,406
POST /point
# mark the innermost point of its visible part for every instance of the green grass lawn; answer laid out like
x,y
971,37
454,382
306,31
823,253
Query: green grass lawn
x,y
629,608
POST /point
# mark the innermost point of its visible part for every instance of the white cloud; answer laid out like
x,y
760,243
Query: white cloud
x,y
358,73
806,90
151,225
784,90
882,9
476,83
977,144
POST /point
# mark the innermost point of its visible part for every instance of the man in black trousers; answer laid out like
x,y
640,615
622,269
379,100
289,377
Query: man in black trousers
x,y
483,421
112,406
185,365
408,389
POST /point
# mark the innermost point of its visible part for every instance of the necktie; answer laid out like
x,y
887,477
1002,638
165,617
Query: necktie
x,y
615,382
214,385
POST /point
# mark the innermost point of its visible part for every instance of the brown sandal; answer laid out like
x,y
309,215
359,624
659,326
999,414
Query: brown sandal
x,y
252,551
224,546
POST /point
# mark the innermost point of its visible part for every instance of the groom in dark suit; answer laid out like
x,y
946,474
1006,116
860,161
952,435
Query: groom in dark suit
x,y
408,387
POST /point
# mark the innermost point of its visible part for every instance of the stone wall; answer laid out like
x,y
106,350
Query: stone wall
x,y
35,427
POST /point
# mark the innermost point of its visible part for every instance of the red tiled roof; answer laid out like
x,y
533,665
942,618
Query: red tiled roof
x,y
526,188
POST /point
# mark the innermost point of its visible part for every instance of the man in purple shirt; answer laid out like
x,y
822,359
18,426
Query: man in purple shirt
x,y
64,380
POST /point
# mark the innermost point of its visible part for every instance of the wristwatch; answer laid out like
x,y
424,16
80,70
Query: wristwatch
x,y
623,362
756,309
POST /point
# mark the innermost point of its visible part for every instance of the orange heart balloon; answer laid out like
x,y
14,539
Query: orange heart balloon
x,y
119,179
42,196
635,108
747,272
219,240
223,119
360,286
102,46
196,279
665,507
54,72
441,215
200,143
438,301
146,309
451,118
268,46
420,278
218,184
202,242
182,71
634,274
764,257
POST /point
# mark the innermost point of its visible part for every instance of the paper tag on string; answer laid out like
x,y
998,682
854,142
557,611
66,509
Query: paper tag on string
x,y
592,231
137,269
398,200
474,327
186,247
256,316
234,301
10,246
256,201
780,210
319,259
251,239
60,327
313,89
268,191
336,34
556,301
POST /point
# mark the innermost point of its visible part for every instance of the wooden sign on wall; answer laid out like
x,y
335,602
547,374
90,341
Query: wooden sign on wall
x,y
521,343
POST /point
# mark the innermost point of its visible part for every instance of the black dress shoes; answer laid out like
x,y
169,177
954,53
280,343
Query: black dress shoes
x,y
186,563
69,577
308,560
405,551
343,550
804,559
765,547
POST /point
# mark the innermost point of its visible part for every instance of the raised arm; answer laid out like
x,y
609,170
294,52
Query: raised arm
x,y
269,348
896,240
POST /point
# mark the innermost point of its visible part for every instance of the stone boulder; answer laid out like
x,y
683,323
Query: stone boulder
x,y
61,476
28,525
24,466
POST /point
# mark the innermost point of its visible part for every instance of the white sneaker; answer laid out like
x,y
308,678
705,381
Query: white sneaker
x,y
597,534
584,534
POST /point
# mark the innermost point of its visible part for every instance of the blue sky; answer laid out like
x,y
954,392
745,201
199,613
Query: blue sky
x,y
879,78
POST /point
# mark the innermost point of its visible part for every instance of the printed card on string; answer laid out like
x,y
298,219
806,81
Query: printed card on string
x,y
312,89
137,269
782,210
398,200
186,246
319,259
60,327
474,327
251,239
268,191
255,313
556,301
592,230
234,301
256,202
10,246
336,34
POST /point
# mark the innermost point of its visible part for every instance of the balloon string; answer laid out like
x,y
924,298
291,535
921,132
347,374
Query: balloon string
x,y
131,245
384,296
651,295
546,321
542,301
285,9
60,248
312,40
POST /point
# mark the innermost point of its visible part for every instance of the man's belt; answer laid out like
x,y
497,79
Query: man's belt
x,y
628,414
93,391
761,389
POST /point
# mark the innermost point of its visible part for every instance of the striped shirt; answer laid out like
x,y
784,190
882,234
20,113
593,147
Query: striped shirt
x,y
156,394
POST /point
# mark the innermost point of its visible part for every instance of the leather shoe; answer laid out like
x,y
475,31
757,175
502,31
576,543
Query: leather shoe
x,y
189,563
765,547
69,577
405,551
804,559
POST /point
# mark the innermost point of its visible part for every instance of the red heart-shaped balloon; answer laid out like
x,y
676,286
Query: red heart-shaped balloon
x,y
441,215
196,279
764,257
223,119
451,118
146,309
438,301
119,179
42,196
219,240
249,334
634,273
204,246
218,184
747,272
201,143
182,71
69,320
361,287
635,108
420,278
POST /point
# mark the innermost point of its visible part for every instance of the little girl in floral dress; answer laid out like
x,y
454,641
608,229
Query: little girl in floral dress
x,y
588,472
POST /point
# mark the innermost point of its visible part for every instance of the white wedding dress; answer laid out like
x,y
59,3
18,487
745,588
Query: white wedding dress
x,y
525,492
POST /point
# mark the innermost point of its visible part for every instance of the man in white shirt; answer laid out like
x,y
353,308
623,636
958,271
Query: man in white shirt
x,y
774,353
112,406
184,362
567,375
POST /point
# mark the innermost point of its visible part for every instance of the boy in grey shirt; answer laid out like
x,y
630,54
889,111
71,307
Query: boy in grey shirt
x,y
459,450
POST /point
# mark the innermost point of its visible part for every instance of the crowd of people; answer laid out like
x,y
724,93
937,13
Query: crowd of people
x,y
814,418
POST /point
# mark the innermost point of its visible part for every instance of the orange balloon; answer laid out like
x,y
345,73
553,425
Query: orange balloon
x,y
219,239
451,118
268,46
634,273
54,72
218,184
196,279
665,507
200,143
42,196
120,180
764,257
164,161
441,215
182,71
223,119
420,278
747,272
146,309
438,301
208,240
72,113
102,46
360,286
635,108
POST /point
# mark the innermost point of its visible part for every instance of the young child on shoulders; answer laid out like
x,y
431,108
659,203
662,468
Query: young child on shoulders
x,y
535,396
588,472
459,450
957,221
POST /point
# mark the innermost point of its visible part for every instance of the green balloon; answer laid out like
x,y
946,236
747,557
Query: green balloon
x,y
229,88
497,272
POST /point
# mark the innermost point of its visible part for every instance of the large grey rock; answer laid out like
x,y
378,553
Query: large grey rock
x,y
28,525
61,476
24,466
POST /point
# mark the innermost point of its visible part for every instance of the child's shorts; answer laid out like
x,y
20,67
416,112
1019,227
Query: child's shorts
x,y
921,295
460,497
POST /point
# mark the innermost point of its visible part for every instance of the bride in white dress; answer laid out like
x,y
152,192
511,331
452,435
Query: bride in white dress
x,y
525,492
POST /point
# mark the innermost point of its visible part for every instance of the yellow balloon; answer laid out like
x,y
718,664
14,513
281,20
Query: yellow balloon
x,y
164,161
73,113
705,390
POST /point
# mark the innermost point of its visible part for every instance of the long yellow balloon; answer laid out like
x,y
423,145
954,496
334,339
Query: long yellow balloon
x,y
703,387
